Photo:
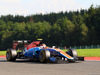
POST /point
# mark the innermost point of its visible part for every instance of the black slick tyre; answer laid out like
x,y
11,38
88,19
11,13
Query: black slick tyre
x,y
11,55
72,53
44,56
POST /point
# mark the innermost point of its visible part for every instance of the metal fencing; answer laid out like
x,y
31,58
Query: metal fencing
x,y
83,47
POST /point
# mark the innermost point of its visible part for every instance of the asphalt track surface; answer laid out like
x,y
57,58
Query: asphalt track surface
x,y
26,67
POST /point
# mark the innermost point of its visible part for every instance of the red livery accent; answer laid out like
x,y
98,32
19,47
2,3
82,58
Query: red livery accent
x,y
33,44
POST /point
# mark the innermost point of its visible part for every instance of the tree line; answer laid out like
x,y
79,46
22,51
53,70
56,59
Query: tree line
x,y
81,27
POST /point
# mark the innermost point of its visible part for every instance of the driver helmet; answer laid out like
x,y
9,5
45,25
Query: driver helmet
x,y
44,45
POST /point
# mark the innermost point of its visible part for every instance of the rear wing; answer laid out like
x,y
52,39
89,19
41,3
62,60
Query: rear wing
x,y
22,43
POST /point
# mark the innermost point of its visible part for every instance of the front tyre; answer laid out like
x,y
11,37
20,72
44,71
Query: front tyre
x,y
73,53
44,56
11,55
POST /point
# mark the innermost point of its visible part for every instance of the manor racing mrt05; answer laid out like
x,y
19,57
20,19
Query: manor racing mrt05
x,y
38,51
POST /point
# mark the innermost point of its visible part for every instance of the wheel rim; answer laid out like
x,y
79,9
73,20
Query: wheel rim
x,y
8,55
42,56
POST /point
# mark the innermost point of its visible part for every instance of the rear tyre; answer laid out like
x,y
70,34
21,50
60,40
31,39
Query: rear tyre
x,y
44,56
11,55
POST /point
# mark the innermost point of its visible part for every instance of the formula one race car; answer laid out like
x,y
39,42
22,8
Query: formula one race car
x,y
38,51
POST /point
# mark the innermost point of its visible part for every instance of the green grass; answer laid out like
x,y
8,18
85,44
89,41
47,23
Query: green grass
x,y
81,52
88,52
3,53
